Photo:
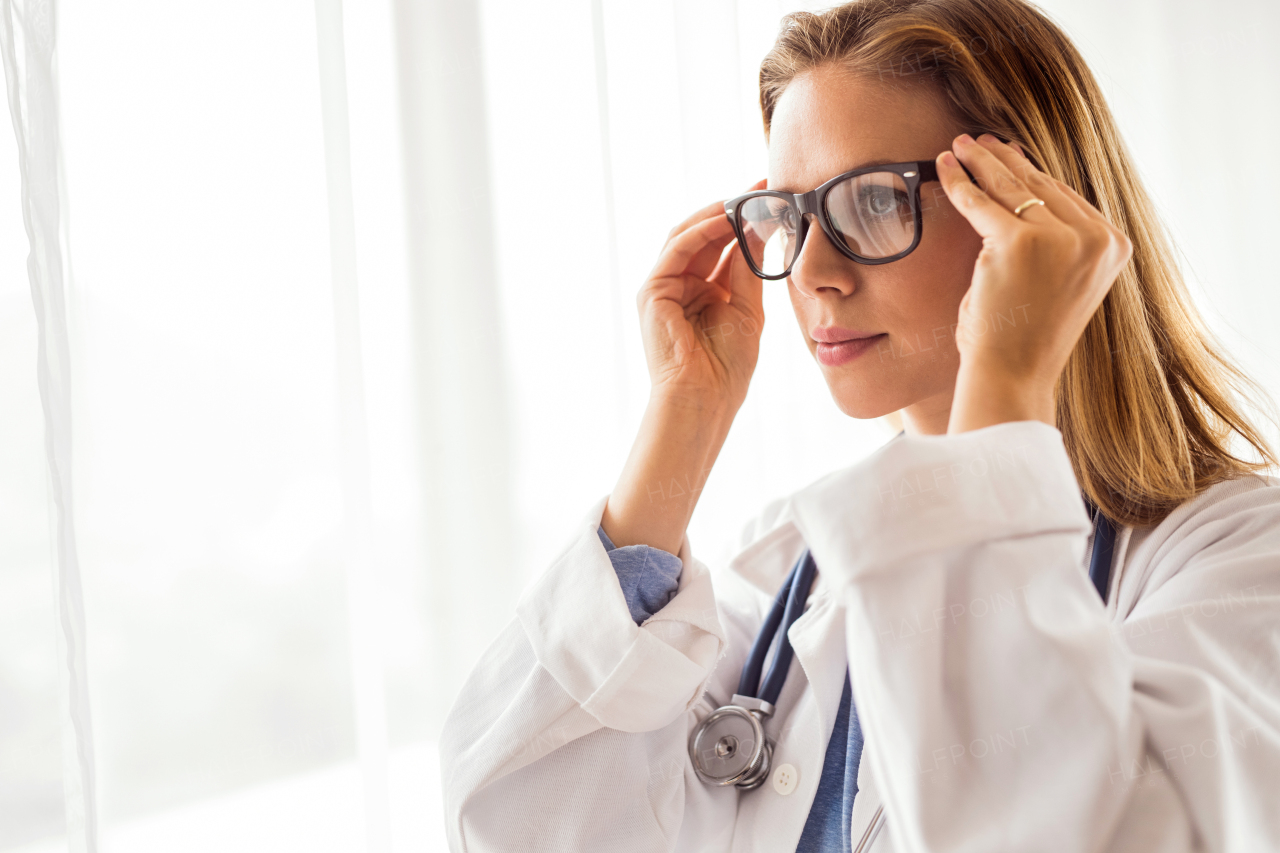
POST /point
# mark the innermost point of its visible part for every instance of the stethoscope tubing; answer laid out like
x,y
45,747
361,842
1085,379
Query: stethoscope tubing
x,y
787,608
873,829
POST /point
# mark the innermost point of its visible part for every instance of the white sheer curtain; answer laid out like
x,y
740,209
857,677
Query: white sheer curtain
x,y
333,341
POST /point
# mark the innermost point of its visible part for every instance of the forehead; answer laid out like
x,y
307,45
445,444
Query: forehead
x,y
828,121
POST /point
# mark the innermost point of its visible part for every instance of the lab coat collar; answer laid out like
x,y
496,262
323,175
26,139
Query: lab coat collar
x,y
765,561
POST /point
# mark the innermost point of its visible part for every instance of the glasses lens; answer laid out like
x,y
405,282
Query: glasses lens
x,y
872,213
769,224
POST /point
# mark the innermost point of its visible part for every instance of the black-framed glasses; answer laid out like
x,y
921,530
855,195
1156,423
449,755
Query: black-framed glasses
x,y
872,215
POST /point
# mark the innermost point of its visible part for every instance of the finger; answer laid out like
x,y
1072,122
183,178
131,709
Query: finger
x,y
1067,204
681,250
745,287
707,259
1018,147
1006,153
999,182
1085,216
710,210
716,207
987,216
724,259
1097,219
705,293
712,288
1081,202
1037,183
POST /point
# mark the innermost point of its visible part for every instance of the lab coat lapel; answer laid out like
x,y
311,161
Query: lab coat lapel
x,y
764,562
819,641
818,636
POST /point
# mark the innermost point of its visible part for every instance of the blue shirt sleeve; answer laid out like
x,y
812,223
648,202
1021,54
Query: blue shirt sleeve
x,y
649,576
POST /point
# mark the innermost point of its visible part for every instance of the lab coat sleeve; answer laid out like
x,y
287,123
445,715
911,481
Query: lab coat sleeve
x,y
1005,711
571,731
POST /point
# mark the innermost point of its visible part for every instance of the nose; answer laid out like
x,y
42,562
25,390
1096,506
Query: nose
x,y
821,268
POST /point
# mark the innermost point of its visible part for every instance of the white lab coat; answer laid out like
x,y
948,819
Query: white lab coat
x,y
1004,707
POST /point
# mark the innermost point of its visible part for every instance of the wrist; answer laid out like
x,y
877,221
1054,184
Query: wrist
x,y
706,405
680,437
986,395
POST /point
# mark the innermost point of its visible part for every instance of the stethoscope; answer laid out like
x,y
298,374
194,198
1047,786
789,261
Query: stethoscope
x,y
729,746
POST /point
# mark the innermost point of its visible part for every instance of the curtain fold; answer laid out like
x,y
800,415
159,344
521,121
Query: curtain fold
x,y
28,36
364,593
460,345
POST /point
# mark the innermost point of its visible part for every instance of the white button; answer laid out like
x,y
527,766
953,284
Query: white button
x,y
785,779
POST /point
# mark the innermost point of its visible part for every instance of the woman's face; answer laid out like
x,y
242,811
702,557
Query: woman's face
x,y
827,122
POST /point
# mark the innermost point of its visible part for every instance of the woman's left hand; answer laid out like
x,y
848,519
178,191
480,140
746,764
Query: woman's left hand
x,y
1038,280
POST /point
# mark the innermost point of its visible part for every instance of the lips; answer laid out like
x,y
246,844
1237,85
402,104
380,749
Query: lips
x,y
836,345
836,334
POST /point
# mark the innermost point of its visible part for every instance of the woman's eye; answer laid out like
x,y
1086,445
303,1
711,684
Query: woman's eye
x,y
883,201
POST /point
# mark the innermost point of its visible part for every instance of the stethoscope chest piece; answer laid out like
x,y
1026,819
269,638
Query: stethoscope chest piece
x,y
729,747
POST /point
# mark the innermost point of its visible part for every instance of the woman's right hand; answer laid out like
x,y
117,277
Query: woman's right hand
x,y
701,314
701,318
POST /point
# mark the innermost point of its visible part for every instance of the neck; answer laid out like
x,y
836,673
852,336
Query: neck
x,y
929,416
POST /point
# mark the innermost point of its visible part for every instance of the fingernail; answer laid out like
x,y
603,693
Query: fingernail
x,y
966,138
948,158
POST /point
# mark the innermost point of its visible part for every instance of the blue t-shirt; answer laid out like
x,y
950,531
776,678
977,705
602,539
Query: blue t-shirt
x,y
649,577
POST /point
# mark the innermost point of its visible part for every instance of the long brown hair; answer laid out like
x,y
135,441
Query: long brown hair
x,y
1145,403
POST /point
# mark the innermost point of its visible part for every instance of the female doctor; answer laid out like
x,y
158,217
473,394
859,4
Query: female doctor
x,y
1045,617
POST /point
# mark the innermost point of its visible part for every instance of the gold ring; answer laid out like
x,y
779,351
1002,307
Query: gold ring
x,y
1017,211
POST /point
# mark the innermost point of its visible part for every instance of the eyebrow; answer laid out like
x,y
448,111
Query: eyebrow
x,y
879,161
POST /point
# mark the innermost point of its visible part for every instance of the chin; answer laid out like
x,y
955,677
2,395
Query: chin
x,y
862,403
866,397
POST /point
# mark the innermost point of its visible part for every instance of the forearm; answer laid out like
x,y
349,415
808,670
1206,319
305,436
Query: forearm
x,y
985,396
654,498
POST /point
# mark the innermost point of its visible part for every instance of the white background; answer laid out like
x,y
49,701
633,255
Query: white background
x,y
209,498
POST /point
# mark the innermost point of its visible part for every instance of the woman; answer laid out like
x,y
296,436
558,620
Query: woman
x,y
959,675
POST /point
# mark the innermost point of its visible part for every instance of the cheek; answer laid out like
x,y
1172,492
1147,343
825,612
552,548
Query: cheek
x,y
943,224
948,248
927,286
797,308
